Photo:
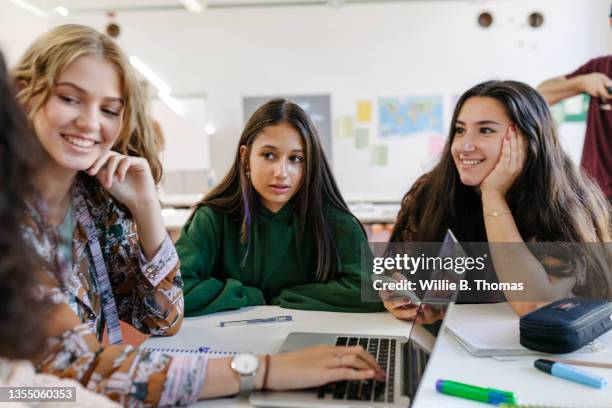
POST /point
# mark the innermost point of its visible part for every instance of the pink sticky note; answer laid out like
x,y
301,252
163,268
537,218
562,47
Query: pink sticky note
x,y
435,144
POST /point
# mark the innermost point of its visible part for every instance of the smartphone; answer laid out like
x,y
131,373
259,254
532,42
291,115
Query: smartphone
x,y
398,293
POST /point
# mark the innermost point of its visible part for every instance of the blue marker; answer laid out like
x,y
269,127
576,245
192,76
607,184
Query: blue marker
x,y
275,319
570,373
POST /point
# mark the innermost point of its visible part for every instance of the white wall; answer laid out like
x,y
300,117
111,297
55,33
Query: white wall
x,y
357,51
18,29
190,148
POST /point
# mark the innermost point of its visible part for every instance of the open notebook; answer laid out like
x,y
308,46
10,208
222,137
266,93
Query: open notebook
x,y
492,330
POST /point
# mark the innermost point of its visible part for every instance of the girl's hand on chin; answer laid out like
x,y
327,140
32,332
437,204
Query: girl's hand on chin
x,y
126,178
509,166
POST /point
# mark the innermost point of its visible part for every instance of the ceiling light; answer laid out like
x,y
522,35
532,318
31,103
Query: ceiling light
x,y
162,87
151,76
210,129
62,11
193,5
172,103
30,8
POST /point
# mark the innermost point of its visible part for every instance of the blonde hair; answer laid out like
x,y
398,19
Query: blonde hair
x,y
50,53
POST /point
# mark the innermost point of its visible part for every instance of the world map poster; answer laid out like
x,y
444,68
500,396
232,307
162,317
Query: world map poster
x,y
410,116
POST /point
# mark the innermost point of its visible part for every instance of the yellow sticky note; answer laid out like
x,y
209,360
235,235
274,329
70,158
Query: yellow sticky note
x,y
364,111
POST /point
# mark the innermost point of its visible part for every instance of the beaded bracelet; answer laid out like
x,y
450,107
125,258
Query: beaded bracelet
x,y
495,213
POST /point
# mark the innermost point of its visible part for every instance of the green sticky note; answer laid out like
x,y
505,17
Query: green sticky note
x,y
362,138
380,155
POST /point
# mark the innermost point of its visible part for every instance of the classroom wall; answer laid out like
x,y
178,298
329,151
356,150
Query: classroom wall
x,y
18,29
362,51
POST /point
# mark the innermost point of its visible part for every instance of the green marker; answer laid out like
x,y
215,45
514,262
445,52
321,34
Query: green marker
x,y
489,395
527,406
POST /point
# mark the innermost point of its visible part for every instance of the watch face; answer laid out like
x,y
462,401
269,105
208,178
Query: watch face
x,y
245,364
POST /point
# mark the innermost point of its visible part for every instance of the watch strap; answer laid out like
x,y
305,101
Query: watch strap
x,y
247,383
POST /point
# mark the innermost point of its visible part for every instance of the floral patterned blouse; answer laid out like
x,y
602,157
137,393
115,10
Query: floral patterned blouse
x,y
147,293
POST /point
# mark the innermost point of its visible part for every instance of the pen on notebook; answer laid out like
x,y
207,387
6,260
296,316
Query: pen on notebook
x,y
570,373
274,319
488,395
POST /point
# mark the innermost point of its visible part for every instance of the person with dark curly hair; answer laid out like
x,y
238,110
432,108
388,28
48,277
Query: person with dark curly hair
x,y
21,337
16,270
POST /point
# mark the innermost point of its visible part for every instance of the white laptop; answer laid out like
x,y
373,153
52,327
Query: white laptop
x,y
403,359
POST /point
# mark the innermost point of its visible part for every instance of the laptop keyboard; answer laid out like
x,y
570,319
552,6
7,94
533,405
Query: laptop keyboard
x,y
383,351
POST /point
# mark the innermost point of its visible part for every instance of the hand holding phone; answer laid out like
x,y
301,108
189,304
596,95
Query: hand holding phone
x,y
398,293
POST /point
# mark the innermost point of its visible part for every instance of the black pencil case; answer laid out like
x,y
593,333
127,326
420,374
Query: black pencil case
x,y
565,325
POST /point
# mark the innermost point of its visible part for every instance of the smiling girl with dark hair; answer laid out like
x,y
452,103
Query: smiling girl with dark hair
x,y
276,230
504,178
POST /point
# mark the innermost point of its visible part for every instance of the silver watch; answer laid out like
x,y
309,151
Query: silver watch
x,y
246,365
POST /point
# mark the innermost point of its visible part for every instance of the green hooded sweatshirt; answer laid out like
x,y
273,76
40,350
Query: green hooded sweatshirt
x,y
276,271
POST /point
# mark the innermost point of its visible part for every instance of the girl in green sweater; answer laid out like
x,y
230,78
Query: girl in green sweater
x,y
276,230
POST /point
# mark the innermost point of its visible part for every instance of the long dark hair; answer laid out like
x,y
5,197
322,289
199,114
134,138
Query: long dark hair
x,y
235,194
20,311
564,204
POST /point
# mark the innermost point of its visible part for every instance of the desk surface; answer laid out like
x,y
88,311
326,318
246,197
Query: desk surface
x,y
450,361
267,338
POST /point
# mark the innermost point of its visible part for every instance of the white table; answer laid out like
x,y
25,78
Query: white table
x,y
448,361
175,218
179,200
267,338
451,361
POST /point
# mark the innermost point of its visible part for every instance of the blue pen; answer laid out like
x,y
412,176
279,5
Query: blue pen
x,y
274,319
570,373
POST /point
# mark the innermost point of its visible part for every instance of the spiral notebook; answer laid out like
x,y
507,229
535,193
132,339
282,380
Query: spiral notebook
x,y
188,351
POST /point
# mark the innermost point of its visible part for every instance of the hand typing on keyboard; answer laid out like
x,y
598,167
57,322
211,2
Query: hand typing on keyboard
x,y
380,389
323,364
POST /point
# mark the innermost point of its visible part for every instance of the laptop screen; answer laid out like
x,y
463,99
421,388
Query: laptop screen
x,y
444,283
438,299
